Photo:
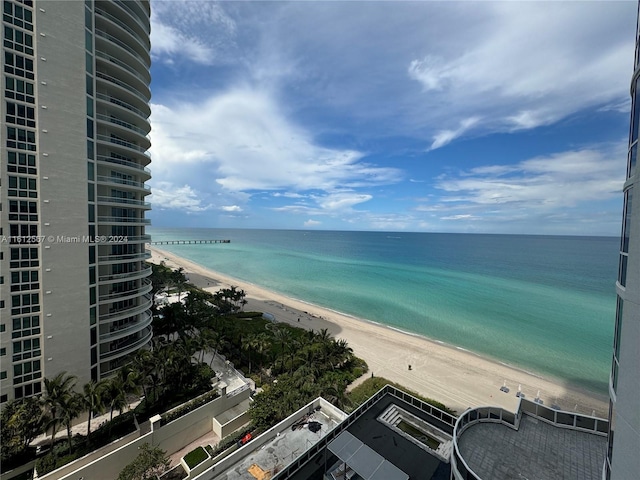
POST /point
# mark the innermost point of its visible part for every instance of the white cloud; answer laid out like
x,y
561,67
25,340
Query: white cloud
x,y
239,141
168,196
190,30
169,43
528,56
312,223
231,208
444,137
551,184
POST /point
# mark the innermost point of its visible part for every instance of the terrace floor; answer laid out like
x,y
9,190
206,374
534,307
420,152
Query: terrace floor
x,y
537,450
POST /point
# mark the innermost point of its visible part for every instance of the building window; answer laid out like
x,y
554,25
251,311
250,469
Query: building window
x,y
17,89
18,40
21,139
26,326
25,303
3,398
3,375
19,162
626,222
24,280
18,65
3,352
19,15
25,349
631,164
26,372
24,258
22,187
23,211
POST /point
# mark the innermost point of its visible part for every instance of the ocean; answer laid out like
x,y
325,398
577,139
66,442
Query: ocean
x,y
545,304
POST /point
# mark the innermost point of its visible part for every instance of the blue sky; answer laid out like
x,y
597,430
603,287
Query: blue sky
x,y
496,117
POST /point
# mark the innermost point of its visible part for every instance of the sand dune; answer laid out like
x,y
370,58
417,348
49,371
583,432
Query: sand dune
x,y
455,377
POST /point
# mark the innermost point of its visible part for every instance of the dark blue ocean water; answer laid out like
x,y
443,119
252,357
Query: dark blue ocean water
x,y
542,303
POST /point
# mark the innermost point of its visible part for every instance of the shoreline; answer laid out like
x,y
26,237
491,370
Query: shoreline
x,y
455,376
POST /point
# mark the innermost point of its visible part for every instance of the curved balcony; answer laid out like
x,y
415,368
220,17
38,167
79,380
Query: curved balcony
x,y
117,332
120,258
135,167
124,295
114,315
117,240
121,103
137,14
128,347
123,47
128,146
109,65
112,20
123,65
144,272
124,201
122,182
123,85
127,220
126,131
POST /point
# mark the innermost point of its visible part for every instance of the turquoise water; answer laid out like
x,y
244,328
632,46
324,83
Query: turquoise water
x,y
542,303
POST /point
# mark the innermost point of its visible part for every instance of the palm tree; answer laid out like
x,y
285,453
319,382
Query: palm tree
x,y
283,336
116,395
93,400
70,408
56,390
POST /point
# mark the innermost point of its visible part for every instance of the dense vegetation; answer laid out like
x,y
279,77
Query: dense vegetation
x,y
292,365
370,386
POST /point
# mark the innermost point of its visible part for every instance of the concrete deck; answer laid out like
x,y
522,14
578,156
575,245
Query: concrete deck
x,y
279,452
537,450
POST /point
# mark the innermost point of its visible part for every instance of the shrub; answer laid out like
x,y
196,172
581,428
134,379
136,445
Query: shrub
x,y
195,457
232,439
189,406
369,387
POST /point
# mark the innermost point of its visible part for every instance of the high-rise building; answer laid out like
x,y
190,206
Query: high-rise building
x,y
74,293
623,461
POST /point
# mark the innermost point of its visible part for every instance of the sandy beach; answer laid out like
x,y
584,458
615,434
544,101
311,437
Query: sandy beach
x,y
453,376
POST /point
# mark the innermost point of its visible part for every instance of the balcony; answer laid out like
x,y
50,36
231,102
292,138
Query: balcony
x,y
114,314
124,182
124,201
143,43
145,62
121,103
122,123
120,258
123,143
128,347
144,272
146,287
129,88
125,163
116,332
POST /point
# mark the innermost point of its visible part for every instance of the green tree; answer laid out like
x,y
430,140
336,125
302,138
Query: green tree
x,y
93,400
150,462
56,391
21,422
116,395
70,407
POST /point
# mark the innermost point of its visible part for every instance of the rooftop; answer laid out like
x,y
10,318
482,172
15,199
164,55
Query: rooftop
x,y
367,425
537,450
284,443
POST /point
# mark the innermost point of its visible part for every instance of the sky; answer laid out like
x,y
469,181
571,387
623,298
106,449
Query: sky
x,y
475,117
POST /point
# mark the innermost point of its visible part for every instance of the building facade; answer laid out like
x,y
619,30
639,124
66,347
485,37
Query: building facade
x,y
74,293
623,461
